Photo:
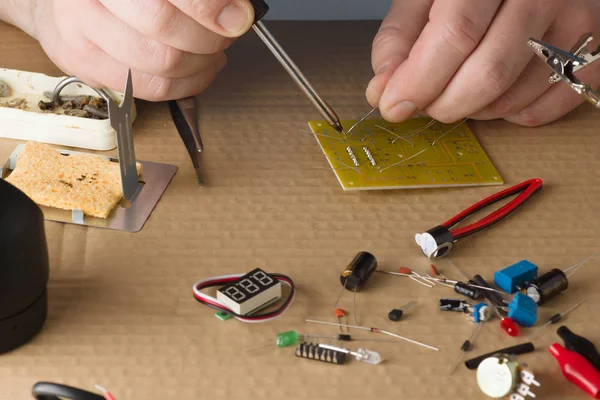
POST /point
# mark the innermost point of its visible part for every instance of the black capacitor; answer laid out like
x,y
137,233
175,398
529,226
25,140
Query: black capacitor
x,y
493,297
358,271
547,286
466,290
453,305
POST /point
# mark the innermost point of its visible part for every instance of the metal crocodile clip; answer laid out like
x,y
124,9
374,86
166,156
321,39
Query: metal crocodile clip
x,y
565,64
183,112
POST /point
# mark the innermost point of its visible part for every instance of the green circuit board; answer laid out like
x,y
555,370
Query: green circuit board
x,y
418,153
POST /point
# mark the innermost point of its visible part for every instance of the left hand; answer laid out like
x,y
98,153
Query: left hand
x,y
455,59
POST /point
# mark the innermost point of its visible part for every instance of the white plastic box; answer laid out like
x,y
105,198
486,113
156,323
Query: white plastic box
x,y
48,127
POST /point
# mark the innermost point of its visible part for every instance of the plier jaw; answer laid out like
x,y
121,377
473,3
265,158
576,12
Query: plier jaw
x,y
565,64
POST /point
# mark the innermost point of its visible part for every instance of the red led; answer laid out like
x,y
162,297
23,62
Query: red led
x,y
508,325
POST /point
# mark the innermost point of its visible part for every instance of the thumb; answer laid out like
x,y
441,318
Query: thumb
x,y
392,44
229,18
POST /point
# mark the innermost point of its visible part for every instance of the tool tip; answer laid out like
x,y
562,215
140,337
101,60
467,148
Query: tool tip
x,y
199,177
338,127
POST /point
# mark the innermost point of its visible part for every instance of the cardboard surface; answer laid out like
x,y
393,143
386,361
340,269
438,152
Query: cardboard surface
x,y
121,307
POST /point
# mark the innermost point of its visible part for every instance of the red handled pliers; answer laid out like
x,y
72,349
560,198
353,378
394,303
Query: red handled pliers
x,y
439,241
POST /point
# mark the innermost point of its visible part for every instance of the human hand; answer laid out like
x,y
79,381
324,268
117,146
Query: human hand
x,y
455,59
174,48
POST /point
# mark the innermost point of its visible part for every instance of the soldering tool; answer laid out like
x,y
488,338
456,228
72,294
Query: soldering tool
x,y
260,10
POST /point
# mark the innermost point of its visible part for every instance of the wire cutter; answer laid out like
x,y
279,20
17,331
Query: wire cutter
x,y
565,64
440,240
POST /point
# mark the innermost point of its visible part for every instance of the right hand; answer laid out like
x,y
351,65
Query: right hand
x,y
174,48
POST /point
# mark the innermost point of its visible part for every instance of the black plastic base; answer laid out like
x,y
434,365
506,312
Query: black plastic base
x,y
21,328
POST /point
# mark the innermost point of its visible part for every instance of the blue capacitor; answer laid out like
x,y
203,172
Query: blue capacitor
x,y
510,279
523,310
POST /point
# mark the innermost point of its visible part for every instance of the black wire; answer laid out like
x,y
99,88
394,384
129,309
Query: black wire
x,y
270,314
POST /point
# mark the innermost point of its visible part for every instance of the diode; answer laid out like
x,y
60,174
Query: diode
x,y
552,283
362,355
466,346
557,317
355,275
376,330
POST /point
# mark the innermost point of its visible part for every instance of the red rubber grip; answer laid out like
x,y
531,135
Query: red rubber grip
x,y
527,189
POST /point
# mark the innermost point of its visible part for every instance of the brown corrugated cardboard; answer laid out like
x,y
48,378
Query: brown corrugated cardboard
x,y
121,310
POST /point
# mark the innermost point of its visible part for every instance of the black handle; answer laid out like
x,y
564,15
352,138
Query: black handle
x,y
580,345
523,348
260,9
55,391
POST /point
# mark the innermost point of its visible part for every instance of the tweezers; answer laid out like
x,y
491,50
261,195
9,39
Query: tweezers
x,y
565,64
183,112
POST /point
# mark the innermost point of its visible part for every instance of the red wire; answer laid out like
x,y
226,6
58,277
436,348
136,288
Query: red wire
x,y
528,188
226,309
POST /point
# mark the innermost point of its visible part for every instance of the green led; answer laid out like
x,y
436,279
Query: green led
x,y
287,338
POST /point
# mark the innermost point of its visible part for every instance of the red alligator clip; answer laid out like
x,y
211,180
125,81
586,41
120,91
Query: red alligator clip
x,y
577,370
438,241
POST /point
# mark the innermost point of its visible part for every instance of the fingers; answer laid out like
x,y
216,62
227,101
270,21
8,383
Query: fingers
x,y
497,62
163,22
139,52
453,32
530,85
99,69
230,18
397,34
557,101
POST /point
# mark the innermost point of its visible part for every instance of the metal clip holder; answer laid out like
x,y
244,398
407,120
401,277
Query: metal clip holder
x,y
565,64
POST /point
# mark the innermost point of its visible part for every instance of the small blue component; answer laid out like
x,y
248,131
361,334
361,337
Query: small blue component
x,y
523,310
477,312
511,278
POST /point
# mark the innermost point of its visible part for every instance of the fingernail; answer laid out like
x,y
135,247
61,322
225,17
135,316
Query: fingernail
x,y
233,18
404,109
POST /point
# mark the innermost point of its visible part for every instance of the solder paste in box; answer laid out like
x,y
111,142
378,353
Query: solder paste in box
x,y
28,122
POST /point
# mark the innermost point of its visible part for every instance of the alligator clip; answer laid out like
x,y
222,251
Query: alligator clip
x,y
439,241
565,64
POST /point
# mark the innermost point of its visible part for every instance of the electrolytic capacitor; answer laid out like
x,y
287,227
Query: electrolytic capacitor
x,y
466,290
552,283
358,271
355,275
548,286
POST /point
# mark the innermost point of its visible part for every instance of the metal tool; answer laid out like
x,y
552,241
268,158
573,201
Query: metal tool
x,y
260,10
121,121
183,112
564,64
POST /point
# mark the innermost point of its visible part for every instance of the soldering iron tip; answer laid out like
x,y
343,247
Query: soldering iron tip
x,y
338,127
